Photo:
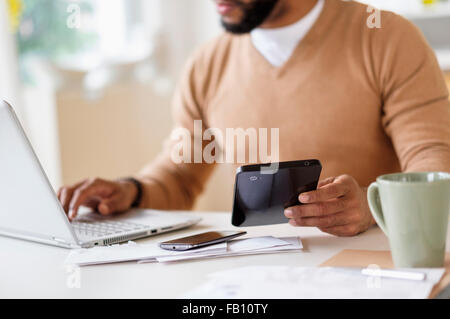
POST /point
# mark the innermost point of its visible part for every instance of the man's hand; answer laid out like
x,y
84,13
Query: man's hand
x,y
106,197
338,206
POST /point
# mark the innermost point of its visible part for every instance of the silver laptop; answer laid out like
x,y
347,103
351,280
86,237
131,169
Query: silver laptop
x,y
30,210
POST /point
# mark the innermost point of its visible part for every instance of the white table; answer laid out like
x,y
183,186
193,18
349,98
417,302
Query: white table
x,y
30,270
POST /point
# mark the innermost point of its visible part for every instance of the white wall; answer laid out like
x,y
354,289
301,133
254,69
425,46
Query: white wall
x,y
186,25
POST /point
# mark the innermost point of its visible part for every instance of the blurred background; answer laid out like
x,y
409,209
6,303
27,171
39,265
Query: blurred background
x,y
92,80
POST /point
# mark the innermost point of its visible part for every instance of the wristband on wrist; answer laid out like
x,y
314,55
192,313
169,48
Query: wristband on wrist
x,y
137,200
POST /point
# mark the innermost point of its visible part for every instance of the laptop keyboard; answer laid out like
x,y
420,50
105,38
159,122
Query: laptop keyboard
x,y
99,229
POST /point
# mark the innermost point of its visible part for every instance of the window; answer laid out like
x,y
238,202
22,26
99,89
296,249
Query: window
x,y
86,34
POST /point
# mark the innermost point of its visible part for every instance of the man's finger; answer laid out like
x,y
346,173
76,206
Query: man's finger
x,y
342,231
338,219
327,192
318,209
85,193
110,205
58,194
65,195
326,181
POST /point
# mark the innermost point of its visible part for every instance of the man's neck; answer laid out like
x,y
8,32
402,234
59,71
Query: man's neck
x,y
288,12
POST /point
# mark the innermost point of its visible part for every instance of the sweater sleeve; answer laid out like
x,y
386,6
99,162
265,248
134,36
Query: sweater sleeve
x,y
416,108
168,182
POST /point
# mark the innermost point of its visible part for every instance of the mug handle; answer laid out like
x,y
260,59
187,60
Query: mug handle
x,y
373,197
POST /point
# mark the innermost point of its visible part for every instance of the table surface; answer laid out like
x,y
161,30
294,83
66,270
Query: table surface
x,y
30,270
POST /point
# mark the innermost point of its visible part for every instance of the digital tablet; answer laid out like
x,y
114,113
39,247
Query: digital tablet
x,y
260,198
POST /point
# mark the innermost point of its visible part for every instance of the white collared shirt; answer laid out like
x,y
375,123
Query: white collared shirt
x,y
277,45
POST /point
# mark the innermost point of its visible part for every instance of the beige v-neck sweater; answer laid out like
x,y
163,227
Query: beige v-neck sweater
x,y
364,101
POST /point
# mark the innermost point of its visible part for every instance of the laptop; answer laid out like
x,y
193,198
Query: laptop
x,y
30,210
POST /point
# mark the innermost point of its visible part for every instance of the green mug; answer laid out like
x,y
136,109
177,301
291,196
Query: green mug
x,y
413,209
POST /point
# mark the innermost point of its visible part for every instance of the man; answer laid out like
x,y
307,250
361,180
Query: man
x,y
365,97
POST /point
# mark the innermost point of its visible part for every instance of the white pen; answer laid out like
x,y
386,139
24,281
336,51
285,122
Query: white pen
x,y
386,273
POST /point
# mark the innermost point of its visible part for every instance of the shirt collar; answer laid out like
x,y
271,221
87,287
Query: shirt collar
x,y
278,44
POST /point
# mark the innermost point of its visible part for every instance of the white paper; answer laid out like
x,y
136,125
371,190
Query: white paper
x,y
250,246
128,252
282,282
152,252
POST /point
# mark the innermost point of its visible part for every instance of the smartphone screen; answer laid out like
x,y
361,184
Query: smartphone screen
x,y
261,198
201,240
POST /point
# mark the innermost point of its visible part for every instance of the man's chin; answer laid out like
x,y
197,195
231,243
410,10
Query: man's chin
x,y
235,28
249,17
230,20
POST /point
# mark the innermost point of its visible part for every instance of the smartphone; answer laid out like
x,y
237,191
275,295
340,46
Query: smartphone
x,y
200,240
260,198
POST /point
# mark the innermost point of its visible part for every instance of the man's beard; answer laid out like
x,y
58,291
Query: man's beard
x,y
254,15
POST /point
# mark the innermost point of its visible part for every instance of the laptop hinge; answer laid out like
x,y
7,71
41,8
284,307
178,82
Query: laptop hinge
x,y
66,243
60,240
